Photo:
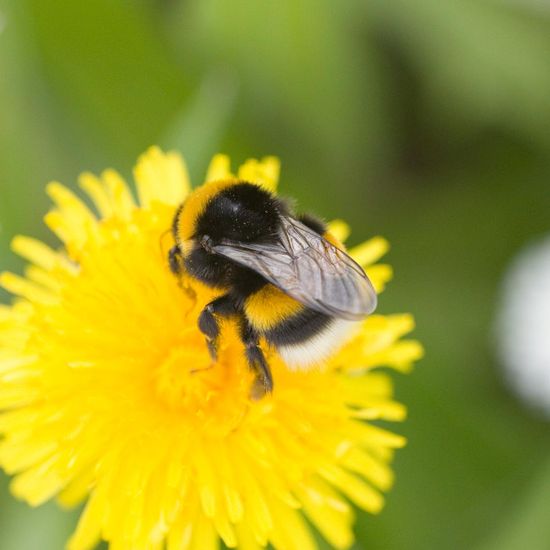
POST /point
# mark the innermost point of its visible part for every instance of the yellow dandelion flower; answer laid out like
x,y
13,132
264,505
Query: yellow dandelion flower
x,y
109,396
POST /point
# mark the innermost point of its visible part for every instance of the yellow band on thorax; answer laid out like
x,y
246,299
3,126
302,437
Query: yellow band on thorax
x,y
194,206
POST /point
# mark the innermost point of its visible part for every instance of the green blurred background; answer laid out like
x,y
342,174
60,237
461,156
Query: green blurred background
x,y
427,121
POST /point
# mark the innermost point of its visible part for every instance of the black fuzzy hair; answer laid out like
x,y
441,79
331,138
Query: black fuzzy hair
x,y
244,212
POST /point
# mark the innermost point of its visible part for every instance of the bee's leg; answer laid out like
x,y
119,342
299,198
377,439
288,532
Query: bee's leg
x,y
208,323
256,360
175,260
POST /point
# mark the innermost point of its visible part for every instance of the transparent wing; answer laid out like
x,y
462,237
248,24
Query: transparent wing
x,y
308,268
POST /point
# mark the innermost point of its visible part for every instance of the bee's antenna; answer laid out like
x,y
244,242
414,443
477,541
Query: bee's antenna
x,y
161,242
180,278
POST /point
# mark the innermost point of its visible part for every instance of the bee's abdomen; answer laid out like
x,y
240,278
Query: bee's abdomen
x,y
269,307
311,340
302,336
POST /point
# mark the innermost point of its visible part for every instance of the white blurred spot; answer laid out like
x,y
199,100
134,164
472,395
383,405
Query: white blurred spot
x,y
523,325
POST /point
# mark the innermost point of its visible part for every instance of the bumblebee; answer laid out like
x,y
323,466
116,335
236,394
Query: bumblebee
x,y
282,276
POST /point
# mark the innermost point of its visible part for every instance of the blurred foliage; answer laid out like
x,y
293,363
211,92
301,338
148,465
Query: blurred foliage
x,y
427,121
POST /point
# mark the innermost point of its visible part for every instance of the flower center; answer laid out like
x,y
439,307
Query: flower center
x,y
214,393
185,377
